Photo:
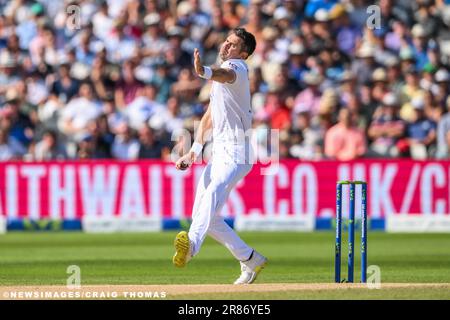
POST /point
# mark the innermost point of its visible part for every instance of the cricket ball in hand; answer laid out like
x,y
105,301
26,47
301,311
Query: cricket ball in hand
x,y
183,165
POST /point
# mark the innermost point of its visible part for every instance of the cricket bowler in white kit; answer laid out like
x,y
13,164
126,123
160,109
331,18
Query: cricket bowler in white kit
x,y
229,116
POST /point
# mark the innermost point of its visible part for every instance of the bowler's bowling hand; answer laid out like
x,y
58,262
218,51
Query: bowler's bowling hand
x,y
198,63
185,161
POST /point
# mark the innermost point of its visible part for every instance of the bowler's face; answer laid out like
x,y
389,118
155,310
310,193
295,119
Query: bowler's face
x,y
231,48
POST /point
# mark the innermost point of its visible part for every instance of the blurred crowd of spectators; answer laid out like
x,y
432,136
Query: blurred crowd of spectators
x,y
116,81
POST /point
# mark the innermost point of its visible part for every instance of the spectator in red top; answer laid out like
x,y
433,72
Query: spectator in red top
x,y
127,87
279,114
344,141
230,14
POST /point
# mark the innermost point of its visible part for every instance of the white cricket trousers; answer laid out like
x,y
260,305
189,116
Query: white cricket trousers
x,y
217,180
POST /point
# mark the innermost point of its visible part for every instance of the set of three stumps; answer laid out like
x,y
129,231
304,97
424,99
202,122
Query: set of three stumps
x,y
351,230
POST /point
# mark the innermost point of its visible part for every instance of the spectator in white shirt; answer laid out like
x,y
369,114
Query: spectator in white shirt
x,y
143,107
125,146
48,148
102,22
37,91
114,117
120,46
154,43
168,119
77,114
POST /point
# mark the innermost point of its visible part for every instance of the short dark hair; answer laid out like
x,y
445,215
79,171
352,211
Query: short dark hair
x,y
249,41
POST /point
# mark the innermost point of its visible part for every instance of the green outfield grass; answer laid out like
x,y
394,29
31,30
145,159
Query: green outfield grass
x,y
43,258
351,294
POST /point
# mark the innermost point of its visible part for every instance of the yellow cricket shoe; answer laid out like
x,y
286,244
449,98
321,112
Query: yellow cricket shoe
x,y
182,249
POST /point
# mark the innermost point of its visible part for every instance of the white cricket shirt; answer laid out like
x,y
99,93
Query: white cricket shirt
x,y
230,105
